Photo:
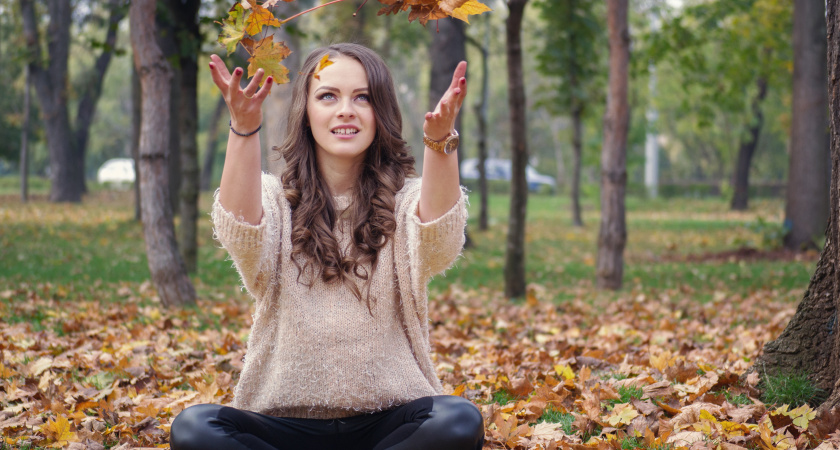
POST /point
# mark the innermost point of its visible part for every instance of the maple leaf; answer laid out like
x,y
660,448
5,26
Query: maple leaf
x,y
233,28
623,414
58,430
471,7
324,63
268,55
259,18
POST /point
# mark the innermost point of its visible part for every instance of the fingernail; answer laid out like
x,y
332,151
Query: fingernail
x,y
457,91
211,65
238,71
463,81
269,80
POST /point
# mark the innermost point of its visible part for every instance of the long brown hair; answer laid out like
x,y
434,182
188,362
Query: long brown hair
x,y
386,164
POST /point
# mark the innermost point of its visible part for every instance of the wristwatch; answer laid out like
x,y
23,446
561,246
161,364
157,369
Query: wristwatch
x,y
446,146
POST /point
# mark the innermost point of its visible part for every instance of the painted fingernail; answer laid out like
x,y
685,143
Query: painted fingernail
x,y
269,80
211,65
238,71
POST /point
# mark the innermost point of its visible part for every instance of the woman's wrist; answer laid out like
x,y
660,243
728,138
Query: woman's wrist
x,y
244,132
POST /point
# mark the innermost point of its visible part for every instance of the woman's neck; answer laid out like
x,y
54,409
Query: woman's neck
x,y
340,178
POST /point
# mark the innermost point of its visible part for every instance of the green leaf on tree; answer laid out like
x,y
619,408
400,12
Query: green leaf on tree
x,y
233,28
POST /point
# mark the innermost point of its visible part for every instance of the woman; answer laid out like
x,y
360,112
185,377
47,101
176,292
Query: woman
x,y
337,255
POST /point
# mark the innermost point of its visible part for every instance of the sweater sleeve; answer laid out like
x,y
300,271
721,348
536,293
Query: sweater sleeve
x,y
253,248
438,243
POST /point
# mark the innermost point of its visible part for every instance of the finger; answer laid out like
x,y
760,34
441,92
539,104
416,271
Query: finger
x,y
265,90
252,87
218,79
220,66
235,80
460,72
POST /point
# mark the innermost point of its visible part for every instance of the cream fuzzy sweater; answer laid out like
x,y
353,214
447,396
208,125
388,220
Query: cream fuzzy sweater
x,y
318,352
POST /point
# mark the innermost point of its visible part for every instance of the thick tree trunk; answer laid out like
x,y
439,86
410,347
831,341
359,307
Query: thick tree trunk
x,y
93,86
24,140
189,41
212,142
577,155
165,263
515,251
741,176
811,342
612,235
51,87
449,47
806,208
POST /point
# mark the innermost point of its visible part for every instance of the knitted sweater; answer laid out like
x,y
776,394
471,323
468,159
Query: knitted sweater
x,y
319,352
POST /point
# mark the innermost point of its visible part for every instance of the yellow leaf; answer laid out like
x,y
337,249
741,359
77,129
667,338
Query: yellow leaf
x,y
706,415
324,63
58,430
233,28
259,18
564,371
623,414
268,55
803,415
471,7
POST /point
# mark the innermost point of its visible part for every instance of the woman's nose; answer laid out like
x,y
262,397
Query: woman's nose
x,y
346,109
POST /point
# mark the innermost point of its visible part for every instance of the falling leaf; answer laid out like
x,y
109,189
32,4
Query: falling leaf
x,y
325,62
471,7
268,55
233,28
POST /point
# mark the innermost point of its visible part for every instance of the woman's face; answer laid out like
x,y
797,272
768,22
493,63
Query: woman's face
x,y
340,113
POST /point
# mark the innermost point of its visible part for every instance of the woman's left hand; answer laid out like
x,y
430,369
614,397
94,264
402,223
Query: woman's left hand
x,y
441,122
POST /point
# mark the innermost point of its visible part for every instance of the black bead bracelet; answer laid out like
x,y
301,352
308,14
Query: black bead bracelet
x,y
244,134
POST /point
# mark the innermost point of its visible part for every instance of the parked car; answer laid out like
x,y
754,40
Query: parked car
x,y
500,169
116,171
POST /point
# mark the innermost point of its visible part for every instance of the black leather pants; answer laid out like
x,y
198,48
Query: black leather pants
x,y
429,423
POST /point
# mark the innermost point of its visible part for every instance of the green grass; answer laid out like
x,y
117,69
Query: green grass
x,y
794,389
552,415
502,397
626,393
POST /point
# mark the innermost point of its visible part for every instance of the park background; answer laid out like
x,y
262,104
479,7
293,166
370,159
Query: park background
x,y
555,357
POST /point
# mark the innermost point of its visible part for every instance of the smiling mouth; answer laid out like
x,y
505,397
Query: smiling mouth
x,y
345,131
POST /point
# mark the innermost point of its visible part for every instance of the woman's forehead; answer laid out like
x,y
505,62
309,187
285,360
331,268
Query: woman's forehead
x,y
343,73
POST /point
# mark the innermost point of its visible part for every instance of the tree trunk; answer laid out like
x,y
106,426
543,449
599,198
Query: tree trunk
x,y
136,116
612,235
577,155
481,115
741,177
448,48
212,142
93,87
51,87
806,209
189,43
165,263
24,140
515,251
810,343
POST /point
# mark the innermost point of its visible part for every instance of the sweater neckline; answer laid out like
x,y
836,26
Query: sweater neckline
x,y
341,202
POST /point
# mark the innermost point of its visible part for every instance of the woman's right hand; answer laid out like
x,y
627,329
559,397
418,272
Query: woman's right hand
x,y
245,105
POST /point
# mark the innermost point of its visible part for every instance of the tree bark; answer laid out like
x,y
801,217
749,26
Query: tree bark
x,y
741,176
185,14
136,117
810,343
93,87
24,140
481,116
51,86
212,142
806,208
515,251
612,236
448,48
577,156
165,263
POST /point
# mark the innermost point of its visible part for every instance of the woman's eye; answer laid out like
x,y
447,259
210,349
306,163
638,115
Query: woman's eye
x,y
363,97
326,96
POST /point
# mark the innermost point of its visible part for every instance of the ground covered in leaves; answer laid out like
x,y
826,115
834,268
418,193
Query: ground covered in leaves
x,y
90,359
640,371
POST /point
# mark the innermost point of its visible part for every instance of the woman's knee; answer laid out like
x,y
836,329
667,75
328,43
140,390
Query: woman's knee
x,y
191,425
459,420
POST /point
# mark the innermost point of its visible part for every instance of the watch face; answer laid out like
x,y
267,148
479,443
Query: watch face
x,y
452,144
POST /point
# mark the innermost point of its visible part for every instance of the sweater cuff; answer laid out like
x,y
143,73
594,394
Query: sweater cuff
x,y
234,231
450,223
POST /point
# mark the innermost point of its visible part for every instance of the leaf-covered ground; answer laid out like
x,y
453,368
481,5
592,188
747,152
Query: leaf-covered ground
x,y
100,364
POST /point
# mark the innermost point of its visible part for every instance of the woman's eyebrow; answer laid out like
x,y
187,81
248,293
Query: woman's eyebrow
x,y
330,88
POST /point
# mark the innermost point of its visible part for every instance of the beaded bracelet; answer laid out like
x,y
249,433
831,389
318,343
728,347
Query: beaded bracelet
x,y
244,134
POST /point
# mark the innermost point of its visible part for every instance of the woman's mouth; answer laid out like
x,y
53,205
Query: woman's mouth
x,y
347,131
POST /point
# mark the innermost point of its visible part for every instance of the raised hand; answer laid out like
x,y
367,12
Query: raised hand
x,y
441,121
245,105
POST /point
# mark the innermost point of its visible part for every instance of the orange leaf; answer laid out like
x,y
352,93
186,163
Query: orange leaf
x,y
268,55
325,62
259,18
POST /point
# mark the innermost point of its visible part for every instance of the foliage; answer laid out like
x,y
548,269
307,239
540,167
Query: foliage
x,y
794,389
85,340
251,18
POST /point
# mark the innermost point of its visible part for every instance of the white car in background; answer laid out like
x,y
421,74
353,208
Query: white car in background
x,y
117,171
500,169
